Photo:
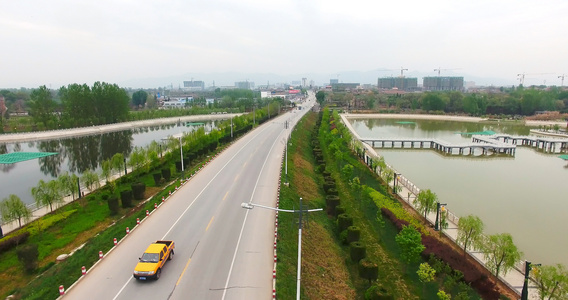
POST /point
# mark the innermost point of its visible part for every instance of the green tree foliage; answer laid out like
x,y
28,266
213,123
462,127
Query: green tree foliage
x,y
426,274
137,158
320,97
426,201
470,232
475,104
443,296
117,162
551,281
47,193
42,106
13,208
433,102
90,179
102,104
68,184
501,253
28,255
139,98
410,243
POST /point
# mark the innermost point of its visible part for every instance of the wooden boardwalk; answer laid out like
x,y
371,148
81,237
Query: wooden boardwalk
x,y
480,145
546,144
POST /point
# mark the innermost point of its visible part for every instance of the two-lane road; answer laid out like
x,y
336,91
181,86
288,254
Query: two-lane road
x,y
222,251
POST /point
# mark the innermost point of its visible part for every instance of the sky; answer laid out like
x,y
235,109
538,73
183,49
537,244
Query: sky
x,y
142,42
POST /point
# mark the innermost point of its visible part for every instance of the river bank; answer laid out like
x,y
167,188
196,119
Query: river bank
x,y
531,123
82,131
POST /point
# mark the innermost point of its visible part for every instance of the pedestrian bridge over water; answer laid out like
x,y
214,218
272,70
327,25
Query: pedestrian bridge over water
x,y
479,145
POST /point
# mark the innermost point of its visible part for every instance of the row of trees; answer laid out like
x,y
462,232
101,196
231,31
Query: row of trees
x,y
499,250
520,101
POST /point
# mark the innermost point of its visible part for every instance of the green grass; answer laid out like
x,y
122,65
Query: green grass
x,y
399,279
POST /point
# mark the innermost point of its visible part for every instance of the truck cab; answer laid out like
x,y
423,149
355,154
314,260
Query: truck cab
x,y
153,260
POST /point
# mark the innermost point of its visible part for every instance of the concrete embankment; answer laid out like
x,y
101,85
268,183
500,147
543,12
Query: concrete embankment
x,y
81,131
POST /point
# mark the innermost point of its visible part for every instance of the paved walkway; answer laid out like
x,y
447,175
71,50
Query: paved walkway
x,y
514,278
57,134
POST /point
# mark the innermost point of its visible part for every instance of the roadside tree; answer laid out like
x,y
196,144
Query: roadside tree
x,y
551,281
501,253
47,193
470,232
426,201
91,180
68,184
13,208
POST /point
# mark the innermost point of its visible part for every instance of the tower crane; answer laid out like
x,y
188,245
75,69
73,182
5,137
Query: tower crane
x,y
440,69
402,70
562,76
521,76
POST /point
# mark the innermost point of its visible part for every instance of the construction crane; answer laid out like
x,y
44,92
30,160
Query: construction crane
x,y
402,71
440,69
562,76
521,76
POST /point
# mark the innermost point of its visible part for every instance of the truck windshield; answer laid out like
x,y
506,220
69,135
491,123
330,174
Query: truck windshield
x,y
150,257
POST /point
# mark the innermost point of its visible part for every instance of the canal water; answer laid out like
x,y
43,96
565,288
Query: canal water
x,y
76,155
524,195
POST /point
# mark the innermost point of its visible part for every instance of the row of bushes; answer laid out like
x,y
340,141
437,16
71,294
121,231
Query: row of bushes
x,y
349,234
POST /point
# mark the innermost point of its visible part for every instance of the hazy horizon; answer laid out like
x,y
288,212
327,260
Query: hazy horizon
x,y
150,44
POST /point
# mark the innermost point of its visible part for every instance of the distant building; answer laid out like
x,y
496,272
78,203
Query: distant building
x,y
304,82
245,85
443,83
344,86
194,85
333,81
400,83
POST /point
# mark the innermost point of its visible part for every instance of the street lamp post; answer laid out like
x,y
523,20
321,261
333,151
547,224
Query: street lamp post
x,y
438,206
300,212
395,181
125,171
525,291
181,153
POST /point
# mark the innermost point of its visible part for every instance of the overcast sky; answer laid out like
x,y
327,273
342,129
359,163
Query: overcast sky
x,y
59,42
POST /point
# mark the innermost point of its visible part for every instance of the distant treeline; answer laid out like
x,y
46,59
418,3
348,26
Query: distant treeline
x,y
518,101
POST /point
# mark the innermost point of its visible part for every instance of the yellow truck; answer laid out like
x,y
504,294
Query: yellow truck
x,y
153,260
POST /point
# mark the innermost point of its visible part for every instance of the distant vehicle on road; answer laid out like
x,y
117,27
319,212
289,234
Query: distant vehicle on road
x,y
153,260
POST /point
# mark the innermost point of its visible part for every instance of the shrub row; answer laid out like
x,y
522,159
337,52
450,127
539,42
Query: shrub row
x,y
14,241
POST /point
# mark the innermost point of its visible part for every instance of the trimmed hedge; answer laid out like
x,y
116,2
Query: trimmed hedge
x,y
166,173
113,205
138,190
126,198
368,270
357,251
353,234
344,221
157,178
14,241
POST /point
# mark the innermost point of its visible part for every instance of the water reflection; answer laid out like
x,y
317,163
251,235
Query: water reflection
x,y
76,155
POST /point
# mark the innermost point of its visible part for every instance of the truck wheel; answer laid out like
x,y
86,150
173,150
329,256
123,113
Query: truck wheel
x,y
158,273
171,255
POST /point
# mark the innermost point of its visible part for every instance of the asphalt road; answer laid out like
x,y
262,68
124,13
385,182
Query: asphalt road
x,y
222,250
